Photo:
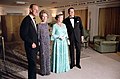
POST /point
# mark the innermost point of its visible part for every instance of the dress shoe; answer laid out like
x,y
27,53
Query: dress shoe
x,y
42,74
71,66
47,74
78,66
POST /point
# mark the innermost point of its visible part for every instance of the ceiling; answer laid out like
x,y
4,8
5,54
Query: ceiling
x,y
46,3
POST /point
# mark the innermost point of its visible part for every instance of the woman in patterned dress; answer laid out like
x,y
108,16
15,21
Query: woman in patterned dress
x,y
60,57
44,44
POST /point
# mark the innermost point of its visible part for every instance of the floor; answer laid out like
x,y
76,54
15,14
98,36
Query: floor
x,y
94,66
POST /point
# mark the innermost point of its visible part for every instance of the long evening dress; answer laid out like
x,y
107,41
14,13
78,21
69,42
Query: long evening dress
x,y
60,57
44,49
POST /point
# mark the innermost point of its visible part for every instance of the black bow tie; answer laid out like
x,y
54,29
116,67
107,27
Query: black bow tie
x,y
34,18
71,17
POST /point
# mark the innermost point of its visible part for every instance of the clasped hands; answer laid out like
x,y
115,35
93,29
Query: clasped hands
x,y
61,37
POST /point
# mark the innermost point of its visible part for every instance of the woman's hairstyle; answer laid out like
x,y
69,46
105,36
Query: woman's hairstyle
x,y
59,14
42,12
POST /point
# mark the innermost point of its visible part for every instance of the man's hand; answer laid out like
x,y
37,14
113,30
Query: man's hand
x,y
82,39
33,45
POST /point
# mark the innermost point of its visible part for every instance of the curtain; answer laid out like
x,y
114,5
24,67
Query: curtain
x,y
84,15
109,21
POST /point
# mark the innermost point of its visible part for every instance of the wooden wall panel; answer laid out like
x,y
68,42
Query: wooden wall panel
x,y
84,15
11,26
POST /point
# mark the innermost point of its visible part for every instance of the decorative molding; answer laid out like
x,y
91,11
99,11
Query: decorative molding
x,y
89,3
21,2
14,13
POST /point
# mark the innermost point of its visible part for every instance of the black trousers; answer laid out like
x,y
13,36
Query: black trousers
x,y
31,56
74,44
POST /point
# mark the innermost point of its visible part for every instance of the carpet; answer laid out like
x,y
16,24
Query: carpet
x,y
84,55
16,61
114,56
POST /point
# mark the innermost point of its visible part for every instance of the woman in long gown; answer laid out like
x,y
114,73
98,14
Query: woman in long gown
x,y
44,44
59,59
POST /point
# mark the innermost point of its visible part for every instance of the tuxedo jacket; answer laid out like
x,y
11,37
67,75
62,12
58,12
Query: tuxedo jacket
x,y
77,31
28,33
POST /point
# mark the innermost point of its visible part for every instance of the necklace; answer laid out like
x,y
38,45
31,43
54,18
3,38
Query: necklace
x,y
60,24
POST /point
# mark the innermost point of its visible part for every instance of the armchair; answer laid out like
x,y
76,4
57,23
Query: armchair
x,y
105,44
86,37
98,39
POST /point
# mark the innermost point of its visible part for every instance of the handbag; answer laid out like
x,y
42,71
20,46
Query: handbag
x,y
68,41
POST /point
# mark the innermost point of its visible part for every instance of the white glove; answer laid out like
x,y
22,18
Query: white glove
x,y
82,39
68,42
61,37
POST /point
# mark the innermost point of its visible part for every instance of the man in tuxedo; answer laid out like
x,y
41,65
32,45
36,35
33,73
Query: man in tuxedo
x,y
75,33
28,33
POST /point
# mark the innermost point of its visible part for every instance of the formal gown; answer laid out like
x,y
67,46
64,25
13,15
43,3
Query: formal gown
x,y
44,48
60,57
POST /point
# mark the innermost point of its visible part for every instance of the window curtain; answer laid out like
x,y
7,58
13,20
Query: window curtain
x,y
83,14
109,21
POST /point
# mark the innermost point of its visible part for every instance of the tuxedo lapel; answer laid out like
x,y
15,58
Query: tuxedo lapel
x,y
32,23
69,22
33,26
76,21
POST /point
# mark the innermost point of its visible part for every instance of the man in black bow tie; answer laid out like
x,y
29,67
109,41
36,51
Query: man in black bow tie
x,y
71,17
28,33
75,33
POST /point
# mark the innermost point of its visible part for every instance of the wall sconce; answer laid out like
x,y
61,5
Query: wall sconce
x,y
1,10
53,14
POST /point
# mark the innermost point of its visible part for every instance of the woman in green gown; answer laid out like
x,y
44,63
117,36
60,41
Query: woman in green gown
x,y
60,57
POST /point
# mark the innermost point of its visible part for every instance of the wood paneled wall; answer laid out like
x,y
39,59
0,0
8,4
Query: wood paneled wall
x,y
84,16
11,26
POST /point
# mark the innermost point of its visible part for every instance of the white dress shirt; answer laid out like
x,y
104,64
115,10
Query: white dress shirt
x,y
72,22
33,21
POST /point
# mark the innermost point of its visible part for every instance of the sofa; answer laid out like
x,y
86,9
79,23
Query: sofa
x,y
105,44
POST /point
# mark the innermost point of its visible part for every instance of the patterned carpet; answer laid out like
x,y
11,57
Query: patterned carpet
x,y
15,61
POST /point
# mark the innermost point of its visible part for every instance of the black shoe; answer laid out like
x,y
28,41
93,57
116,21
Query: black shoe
x,y
71,66
78,66
42,74
47,73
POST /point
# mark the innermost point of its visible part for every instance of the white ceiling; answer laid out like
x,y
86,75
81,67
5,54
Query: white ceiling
x,y
46,3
